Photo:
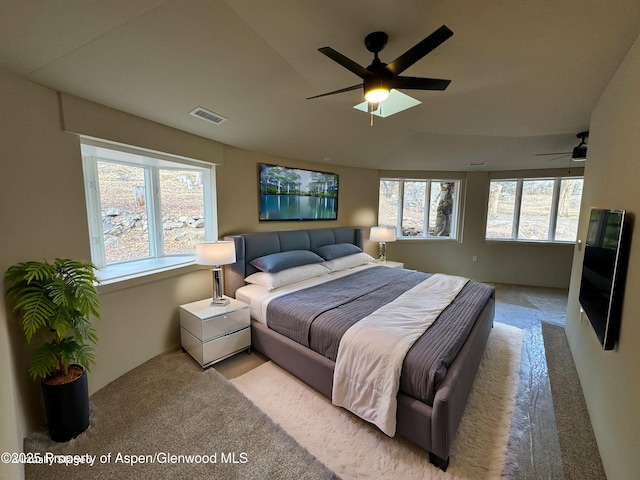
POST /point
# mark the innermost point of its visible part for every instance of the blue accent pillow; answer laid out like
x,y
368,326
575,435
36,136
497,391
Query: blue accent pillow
x,y
329,252
283,260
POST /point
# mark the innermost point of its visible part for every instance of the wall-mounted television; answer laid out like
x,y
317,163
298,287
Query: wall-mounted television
x,y
297,194
604,271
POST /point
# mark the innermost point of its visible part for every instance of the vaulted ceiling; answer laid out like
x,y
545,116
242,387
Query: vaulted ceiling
x,y
525,75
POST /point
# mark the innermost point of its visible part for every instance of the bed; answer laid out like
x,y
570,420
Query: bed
x,y
428,413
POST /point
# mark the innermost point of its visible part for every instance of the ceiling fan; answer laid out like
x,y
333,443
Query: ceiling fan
x,y
379,78
579,152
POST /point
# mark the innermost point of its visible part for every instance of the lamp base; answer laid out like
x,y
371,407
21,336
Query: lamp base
x,y
218,297
221,302
383,252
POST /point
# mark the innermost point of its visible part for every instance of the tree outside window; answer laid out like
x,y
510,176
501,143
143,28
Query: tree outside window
x,y
420,208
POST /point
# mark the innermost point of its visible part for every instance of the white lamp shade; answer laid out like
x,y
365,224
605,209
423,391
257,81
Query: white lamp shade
x,y
215,253
383,234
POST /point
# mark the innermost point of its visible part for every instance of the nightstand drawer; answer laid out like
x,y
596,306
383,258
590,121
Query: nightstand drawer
x,y
217,349
213,327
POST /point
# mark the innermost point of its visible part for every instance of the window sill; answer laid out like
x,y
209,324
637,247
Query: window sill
x,y
426,239
125,275
527,242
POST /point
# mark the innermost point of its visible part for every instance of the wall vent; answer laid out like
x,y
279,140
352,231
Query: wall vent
x,y
207,115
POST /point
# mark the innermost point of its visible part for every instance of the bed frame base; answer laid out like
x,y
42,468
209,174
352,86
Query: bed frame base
x,y
439,462
431,428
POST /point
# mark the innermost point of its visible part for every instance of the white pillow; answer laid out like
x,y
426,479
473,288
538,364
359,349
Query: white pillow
x,y
285,277
350,261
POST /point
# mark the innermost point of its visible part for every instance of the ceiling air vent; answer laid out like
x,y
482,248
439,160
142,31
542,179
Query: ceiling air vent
x,y
207,115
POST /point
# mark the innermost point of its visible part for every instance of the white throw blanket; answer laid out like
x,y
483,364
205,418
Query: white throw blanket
x,y
371,352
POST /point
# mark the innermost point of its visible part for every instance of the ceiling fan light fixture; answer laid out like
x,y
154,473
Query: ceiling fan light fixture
x,y
397,102
377,89
579,153
377,95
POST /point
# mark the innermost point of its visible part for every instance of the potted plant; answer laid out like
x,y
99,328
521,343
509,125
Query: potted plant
x,y
55,302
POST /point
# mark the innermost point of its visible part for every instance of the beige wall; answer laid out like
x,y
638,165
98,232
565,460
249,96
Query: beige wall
x,y
43,216
93,120
237,186
611,380
537,264
517,263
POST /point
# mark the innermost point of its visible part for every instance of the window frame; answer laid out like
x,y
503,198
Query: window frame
x,y
455,213
152,162
517,210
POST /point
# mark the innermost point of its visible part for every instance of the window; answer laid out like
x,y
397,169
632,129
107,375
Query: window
x,y
146,210
420,208
543,210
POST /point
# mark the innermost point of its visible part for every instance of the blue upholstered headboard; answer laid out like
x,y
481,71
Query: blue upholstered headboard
x,y
250,246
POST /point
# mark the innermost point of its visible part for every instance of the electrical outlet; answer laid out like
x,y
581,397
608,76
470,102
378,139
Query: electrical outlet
x,y
474,258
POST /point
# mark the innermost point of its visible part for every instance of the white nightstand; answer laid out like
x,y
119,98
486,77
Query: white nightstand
x,y
391,264
211,333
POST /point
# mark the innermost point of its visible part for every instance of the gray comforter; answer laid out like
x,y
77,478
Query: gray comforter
x,y
318,316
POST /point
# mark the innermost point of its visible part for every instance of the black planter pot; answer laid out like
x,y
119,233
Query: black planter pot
x,y
67,408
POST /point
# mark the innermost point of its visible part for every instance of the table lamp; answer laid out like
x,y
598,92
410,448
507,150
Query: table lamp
x,y
383,235
216,254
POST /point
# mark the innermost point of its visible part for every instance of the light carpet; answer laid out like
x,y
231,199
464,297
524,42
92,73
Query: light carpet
x,y
168,419
356,450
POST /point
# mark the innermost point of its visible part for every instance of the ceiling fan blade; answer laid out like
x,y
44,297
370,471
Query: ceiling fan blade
x,y
346,62
419,50
347,89
417,83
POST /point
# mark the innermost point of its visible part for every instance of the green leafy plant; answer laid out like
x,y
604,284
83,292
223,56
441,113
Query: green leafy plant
x,y
55,301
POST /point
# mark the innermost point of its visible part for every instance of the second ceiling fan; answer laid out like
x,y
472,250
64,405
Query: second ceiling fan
x,y
379,78
579,153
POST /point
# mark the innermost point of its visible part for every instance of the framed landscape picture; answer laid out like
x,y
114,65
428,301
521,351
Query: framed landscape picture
x,y
297,194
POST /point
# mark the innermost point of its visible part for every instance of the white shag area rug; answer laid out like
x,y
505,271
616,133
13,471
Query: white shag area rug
x,y
356,450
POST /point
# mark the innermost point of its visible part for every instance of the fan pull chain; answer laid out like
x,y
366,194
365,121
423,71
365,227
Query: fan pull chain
x,y
372,107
